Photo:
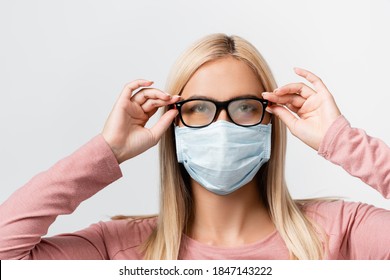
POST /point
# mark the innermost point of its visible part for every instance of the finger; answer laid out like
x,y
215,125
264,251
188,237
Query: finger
x,y
130,87
152,104
293,108
285,115
312,78
146,93
295,88
293,99
163,123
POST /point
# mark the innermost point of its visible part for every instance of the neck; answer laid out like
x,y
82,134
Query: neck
x,y
231,220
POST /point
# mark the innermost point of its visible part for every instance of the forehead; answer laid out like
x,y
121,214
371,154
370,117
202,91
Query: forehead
x,y
223,79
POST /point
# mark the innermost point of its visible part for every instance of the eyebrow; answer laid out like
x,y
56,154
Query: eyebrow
x,y
213,99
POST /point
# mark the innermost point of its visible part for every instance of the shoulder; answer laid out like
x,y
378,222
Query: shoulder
x,y
337,216
327,207
354,230
138,228
126,234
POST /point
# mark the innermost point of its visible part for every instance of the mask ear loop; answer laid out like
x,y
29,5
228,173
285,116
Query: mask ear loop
x,y
271,119
175,120
173,106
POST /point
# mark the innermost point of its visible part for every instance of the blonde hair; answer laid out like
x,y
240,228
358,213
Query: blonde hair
x,y
176,210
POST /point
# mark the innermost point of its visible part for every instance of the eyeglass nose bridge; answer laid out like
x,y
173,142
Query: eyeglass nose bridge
x,y
222,105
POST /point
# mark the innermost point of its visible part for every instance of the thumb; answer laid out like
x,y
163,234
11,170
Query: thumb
x,y
163,123
285,115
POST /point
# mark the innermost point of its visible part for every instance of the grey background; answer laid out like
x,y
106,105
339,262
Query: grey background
x,y
63,64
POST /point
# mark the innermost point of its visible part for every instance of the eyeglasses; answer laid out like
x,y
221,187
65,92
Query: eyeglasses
x,y
200,112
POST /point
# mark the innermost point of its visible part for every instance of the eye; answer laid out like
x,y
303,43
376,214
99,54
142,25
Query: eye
x,y
247,108
198,107
246,111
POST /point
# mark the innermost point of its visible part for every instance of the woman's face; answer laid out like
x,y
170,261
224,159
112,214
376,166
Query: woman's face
x,y
222,80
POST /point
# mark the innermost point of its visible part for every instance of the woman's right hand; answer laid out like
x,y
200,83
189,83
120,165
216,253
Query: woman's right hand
x,y
125,130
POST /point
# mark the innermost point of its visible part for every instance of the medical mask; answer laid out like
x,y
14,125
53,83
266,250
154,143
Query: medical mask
x,y
223,156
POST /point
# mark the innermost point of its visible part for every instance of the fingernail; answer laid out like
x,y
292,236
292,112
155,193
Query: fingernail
x,y
275,90
268,110
168,94
264,93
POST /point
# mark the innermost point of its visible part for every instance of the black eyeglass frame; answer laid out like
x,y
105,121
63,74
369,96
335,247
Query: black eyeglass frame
x,y
219,106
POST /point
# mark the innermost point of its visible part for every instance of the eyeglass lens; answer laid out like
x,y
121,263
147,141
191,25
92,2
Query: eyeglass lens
x,y
202,112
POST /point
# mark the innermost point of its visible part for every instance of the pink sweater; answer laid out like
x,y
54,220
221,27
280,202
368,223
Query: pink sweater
x,y
355,230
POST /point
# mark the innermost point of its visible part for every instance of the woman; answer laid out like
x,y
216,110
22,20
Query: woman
x,y
222,153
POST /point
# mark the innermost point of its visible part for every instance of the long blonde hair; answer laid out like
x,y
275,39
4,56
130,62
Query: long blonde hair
x,y
299,234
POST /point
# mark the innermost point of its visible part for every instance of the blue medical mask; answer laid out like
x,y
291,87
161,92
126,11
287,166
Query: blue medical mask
x,y
223,157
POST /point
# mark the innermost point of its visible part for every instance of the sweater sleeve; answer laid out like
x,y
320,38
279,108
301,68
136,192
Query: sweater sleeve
x,y
362,156
27,214
360,230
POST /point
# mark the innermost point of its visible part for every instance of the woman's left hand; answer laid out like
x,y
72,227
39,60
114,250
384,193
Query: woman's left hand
x,y
315,109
